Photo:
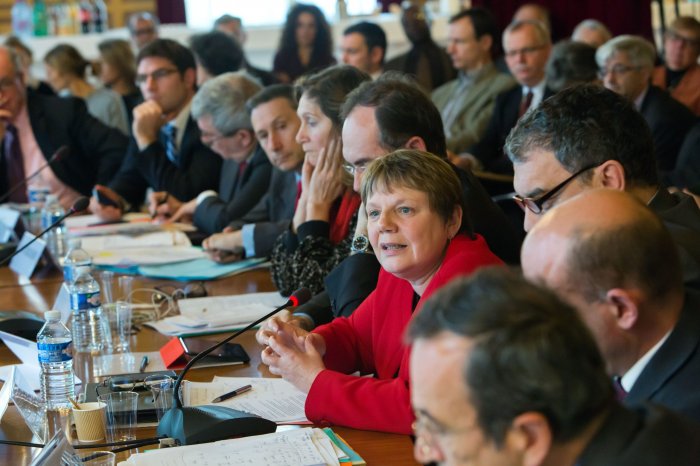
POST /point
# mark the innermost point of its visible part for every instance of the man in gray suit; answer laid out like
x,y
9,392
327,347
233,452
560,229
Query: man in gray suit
x,y
275,122
466,103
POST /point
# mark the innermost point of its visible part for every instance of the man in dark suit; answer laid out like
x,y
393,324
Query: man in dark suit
x,y
527,46
626,64
220,112
503,372
568,145
274,119
612,258
35,126
165,153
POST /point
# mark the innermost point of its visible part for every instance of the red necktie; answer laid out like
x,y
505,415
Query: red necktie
x,y
620,392
15,164
525,103
241,169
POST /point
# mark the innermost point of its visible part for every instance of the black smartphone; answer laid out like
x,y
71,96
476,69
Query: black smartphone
x,y
230,352
103,199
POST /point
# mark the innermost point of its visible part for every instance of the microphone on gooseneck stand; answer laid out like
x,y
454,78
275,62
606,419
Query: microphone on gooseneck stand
x,y
190,425
78,206
61,153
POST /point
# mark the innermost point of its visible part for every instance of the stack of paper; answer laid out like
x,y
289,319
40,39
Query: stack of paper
x,y
161,247
273,399
218,314
299,447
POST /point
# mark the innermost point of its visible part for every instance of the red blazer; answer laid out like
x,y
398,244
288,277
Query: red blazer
x,y
371,341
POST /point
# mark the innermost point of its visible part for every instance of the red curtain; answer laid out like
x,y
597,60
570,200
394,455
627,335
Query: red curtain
x,y
171,11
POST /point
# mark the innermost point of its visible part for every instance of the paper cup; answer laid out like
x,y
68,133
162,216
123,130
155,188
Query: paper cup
x,y
90,421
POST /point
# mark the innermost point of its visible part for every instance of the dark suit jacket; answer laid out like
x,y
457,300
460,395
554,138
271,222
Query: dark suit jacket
x,y
672,376
198,169
273,213
489,150
96,151
649,436
681,216
669,121
237,194
351,281
687,171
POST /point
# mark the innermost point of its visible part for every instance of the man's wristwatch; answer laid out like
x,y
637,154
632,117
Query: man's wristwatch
x,y
360,243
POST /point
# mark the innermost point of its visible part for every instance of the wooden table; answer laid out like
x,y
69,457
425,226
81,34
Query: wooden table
x,y
39,294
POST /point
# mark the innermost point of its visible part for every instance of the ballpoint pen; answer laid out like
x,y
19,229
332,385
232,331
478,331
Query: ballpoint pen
x,y
228,395
144,363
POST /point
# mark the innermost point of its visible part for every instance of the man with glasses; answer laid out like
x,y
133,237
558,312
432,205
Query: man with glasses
x,y
587,137
33,127
625,65
166,153
681,73
611,257
225,127
504,373
143,29
527,46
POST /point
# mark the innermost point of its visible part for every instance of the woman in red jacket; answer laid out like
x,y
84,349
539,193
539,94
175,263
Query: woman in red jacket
x,y
413,202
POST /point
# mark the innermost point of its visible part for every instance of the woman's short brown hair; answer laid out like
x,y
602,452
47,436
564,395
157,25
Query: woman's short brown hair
x,y
118,53
418,170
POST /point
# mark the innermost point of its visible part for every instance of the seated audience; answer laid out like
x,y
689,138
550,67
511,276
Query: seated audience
x,y
681,73
626,63
224,125
275,122
527,47
503,373
591,32
570,63
326,214
687,172
466,103
165,153
306,44
363,46
118,72
413,205
534,12
26,58
143,29
567,145
35,126
612,258
65,72
426,61
215,53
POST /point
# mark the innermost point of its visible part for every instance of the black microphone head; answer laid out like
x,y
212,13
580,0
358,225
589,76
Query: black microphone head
x,y
81,204
61,153
300,296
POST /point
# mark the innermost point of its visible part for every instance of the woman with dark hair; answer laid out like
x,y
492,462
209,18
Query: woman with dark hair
x,y
118,71
65,73
306,44
326,213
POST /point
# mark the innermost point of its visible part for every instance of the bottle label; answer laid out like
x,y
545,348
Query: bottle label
x,y
80,301
54,352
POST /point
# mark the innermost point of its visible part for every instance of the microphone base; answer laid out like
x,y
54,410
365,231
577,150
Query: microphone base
x,y
200,424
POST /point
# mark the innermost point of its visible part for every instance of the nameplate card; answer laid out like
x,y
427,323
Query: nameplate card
x,y
24,263
8,221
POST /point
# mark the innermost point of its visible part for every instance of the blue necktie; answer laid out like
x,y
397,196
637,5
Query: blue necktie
x,y
170,132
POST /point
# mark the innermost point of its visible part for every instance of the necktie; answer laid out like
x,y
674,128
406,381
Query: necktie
x,y
241,170
296,202
15,164
525,103
170,147
620,392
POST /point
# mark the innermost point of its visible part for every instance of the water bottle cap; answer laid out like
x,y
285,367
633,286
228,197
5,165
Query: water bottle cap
x,y
51,198
52,315
83,269
75,243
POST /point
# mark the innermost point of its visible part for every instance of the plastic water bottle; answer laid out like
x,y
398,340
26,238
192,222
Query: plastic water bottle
x,y
88,328
22,22
41,20
75,257
56,360
55,238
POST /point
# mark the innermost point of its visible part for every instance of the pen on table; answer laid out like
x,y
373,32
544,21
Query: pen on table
x,y
144,363
228,395
160,203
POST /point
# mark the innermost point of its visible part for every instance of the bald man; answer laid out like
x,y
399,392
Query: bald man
x,y
612,258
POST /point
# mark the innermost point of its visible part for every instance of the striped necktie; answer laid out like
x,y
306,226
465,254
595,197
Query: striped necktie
x,y
171,151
